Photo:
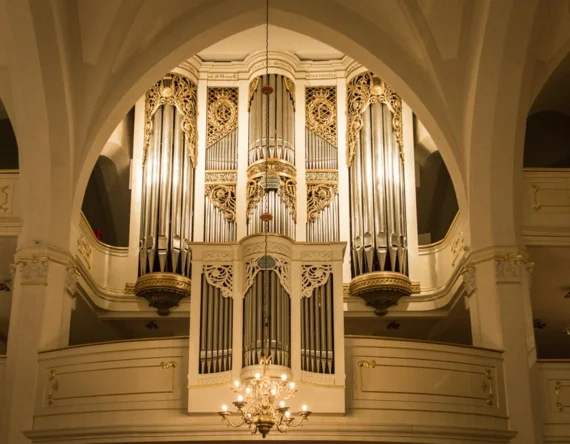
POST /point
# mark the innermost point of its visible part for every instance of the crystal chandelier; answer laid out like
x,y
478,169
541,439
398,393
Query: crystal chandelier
x,y
261,400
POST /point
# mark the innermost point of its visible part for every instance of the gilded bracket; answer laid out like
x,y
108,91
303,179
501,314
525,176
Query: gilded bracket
x,y
557,388
169,364
367,364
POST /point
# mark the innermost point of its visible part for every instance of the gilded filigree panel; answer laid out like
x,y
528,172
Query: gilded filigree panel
x,y
222,113
320,112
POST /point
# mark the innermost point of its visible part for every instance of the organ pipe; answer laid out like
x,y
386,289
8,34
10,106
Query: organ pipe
x,y
279,149
377,193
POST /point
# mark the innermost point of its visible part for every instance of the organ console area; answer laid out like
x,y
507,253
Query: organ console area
x,y
325,155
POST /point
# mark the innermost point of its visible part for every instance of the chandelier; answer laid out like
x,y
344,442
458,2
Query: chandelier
x,y
261,401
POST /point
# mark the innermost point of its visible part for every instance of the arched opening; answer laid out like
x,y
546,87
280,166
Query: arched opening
x,y
8,144
546,165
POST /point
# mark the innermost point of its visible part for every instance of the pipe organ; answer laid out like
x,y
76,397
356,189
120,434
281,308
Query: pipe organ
x,y
275,117
226,269
377,192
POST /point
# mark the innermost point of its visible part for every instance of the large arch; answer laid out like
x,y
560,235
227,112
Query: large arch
x,y
339,27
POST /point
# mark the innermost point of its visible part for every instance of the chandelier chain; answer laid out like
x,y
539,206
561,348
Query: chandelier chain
x,y
266,202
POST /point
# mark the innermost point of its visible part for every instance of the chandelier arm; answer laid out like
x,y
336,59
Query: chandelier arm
x,y
233,424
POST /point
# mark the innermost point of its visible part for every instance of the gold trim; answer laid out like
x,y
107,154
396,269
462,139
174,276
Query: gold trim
x,y
290,86
169,364
319,197
222,113
163,291
487,386
118,341
380,280
367,364
252,88
223,197
180,91
320,112
363,90
422,341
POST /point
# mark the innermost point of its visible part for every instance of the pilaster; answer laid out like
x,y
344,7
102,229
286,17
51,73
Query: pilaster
x,y
42,300
497,284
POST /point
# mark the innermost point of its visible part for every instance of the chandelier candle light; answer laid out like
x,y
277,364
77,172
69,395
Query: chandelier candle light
x,y
261,400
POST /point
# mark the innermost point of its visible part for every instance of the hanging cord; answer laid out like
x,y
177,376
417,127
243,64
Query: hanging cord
x,y
266,201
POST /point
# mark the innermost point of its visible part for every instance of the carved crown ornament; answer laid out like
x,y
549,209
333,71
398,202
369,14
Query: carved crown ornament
x,y
364,90
179,91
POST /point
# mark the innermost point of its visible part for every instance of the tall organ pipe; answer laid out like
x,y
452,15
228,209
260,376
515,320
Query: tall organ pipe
x,y
281,149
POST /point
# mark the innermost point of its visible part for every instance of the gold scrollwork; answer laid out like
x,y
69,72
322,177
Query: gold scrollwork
x,y
320,111
53,387
535,190
319,197
180,92
290,86
223,197
363,90
287,190
367,364
222,114
169,364
252,88
221,176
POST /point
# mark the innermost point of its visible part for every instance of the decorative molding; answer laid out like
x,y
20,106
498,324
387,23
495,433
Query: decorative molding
x,y
220,177
71,279
217,255
457,247
320,75
364,90
34,270
314,276
468,276
222,113
222,76
317,255
323,379
179,91
214,378
129,288
345,290
416,287
85,250
272,247
320,112
507,268
6,197
220,277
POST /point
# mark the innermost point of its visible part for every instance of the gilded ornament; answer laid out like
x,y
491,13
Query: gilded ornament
x,y
363,90
381,289
290,86
222,114
322,188
180,92
367,364
314,276
320,112
287,190
252,88
223,197
163,291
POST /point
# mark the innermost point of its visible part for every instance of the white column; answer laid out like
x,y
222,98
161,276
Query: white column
x,y
237,334
39,320
410,184
199,196
136,191
343,180
301,232
501,319
194,341
243,142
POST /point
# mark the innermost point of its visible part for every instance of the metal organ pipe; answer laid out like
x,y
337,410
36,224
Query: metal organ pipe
x,y
282,173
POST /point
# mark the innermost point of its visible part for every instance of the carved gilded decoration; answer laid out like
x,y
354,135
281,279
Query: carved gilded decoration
x,y
287,190
6,197
362,91
290,85
367,364
322,188
252,87
85,250
314,276
220,277
222,113
487,386
53,387
180,92
320,112
223,197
